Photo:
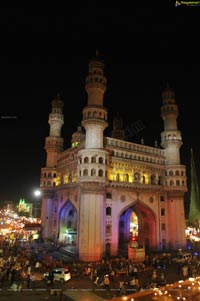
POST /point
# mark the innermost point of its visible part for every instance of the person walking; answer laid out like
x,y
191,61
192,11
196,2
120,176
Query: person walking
x,y
106,283
122,288
28,281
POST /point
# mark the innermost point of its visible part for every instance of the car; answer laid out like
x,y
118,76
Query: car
x,y
59,274
182,258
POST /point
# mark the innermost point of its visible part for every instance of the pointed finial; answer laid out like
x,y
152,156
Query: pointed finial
x,y
58,95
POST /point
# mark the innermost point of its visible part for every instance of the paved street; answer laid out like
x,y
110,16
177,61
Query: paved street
x,y
27,296
81,285
187,290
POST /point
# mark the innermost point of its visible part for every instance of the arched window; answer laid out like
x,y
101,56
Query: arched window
x,y
159,180
126,177
93,160
162,198
100,173
100,160
70,178
109,195
85,172
86,160
108,210
93,172
153,179
162,211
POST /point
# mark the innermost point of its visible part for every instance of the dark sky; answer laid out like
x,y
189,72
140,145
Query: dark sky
x,y
44,52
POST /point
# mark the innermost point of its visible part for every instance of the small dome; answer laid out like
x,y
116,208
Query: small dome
x,y
168,92
78,136
57,102
96,60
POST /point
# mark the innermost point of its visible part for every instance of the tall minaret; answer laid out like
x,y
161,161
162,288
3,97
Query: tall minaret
x,y
94,114
175,175
92,166
171,139
54,143
53,146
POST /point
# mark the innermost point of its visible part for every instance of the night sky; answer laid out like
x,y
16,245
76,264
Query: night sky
x,y
44,53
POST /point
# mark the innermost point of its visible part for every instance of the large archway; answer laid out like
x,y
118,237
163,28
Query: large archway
x,y
146,228
68,224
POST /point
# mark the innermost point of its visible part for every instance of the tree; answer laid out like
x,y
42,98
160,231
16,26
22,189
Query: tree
x,y
194,210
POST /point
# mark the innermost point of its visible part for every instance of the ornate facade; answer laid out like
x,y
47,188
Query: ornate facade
x,y
91,190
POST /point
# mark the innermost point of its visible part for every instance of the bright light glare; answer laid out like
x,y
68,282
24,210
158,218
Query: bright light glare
x,y
37,193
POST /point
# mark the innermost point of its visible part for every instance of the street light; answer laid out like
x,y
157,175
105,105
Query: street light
x,y
37,206
37,193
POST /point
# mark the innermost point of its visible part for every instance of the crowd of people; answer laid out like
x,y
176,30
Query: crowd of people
x,y
19,265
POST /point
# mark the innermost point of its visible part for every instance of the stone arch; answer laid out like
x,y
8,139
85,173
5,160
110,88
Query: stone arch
x,y
146,226
67,228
